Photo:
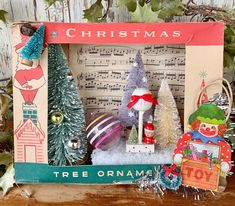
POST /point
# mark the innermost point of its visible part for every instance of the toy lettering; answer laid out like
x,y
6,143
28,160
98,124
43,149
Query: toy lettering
x,y
190,169
208,176
198,174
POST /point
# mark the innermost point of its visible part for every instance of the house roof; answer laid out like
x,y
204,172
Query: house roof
x,y
38,128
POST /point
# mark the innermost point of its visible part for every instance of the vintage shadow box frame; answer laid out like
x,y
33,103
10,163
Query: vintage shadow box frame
x,y
204,51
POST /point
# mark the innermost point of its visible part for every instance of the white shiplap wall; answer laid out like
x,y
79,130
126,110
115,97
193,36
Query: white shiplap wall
x,y
68,11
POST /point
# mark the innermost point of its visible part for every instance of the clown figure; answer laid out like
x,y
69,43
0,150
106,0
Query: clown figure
x,y
208,126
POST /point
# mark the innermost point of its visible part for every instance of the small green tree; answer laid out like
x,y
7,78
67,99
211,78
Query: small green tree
x,y
133,137
67,142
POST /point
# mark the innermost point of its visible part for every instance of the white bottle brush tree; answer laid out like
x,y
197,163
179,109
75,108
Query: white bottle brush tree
x,y
166,118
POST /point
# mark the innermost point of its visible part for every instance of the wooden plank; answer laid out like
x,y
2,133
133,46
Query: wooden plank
x,y
5,51
120,195
76,8
227,3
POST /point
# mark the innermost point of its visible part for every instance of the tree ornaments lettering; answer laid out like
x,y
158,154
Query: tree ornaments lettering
x,y
205,148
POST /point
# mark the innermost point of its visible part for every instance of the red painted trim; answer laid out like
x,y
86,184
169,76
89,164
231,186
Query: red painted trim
x,y
30,142
22,127
210,33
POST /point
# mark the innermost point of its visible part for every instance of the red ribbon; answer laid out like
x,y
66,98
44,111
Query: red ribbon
x,y
170,170
145,97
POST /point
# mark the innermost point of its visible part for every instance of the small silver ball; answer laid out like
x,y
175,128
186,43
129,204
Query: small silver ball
x,y
74,143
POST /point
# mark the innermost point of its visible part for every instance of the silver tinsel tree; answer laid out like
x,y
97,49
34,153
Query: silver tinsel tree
x,y
166,118
67,142
136,79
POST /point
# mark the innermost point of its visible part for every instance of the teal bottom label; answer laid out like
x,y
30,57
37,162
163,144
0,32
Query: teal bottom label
x,y
102,174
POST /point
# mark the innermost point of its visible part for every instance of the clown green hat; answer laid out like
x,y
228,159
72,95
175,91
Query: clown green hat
x,y
208,113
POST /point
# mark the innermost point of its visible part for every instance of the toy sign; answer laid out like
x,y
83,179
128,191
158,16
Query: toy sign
x,y
198,174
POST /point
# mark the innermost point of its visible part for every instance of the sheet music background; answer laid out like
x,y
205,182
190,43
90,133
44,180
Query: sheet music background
x,y
101,71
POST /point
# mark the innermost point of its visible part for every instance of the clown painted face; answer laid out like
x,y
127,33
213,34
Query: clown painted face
x,y
208,130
